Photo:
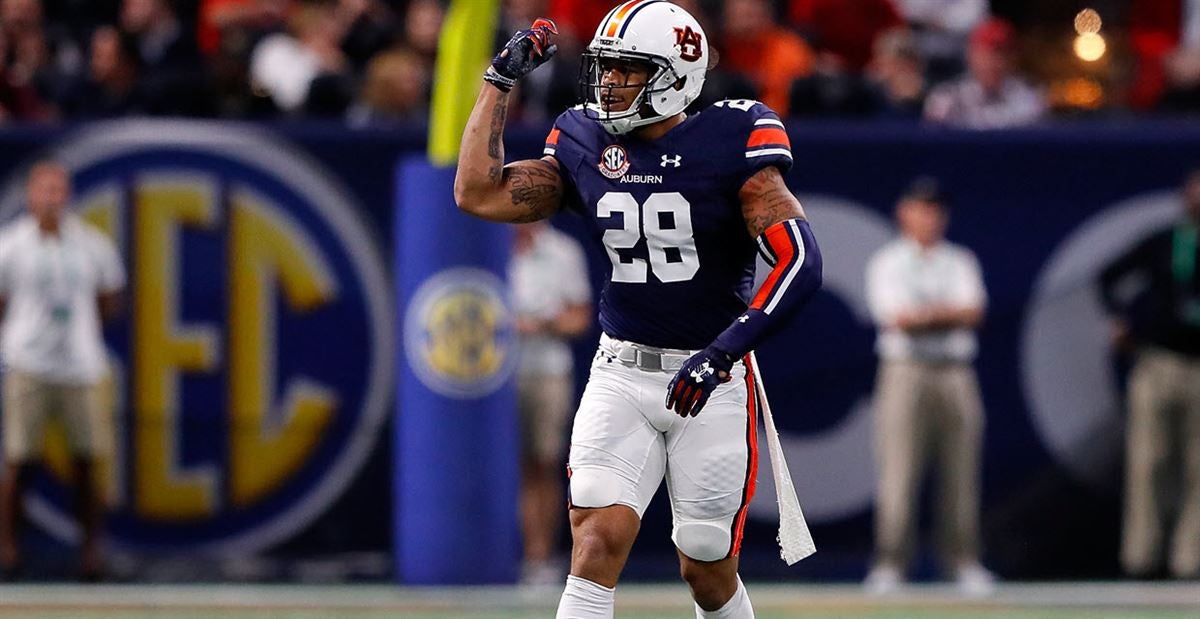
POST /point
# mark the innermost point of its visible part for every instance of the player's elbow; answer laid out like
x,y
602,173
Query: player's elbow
x,y
469,199
808,281
462,194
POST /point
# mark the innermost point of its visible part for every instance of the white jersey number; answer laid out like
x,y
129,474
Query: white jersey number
x,y
666,221
737,104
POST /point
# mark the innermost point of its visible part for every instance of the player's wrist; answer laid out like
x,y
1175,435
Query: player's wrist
x,y
742,335
502,83
721,359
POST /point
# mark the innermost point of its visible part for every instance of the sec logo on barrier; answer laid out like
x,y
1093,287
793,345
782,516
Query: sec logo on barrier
x,y
254,369
458,334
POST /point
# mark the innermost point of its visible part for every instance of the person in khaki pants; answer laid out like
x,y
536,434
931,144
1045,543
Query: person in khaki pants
x,y
58,276
927,297
1153,296
553,301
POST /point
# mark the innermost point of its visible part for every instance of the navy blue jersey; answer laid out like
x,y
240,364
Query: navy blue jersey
x,y
668,214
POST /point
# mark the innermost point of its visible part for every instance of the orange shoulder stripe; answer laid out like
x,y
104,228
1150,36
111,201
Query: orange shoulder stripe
x,y
768,135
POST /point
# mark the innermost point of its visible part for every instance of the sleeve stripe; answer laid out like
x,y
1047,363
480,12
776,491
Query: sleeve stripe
x,y
792,270
784,238
768,135
769,121
785,249
766,253
769,151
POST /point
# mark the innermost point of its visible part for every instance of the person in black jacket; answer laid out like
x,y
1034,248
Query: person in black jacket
x,y
1153,295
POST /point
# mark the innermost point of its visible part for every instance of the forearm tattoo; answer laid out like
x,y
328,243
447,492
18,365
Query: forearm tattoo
x,y
496,140
766,200
496,137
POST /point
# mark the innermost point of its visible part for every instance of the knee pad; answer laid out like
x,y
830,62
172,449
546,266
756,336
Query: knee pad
x,y
702,541
594,488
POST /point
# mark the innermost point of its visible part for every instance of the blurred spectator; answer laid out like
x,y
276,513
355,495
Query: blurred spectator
x,y
1165,35
241,19
552,298
991,95
373,28
40,55
174,81
941,28
306,62
1183,81
896,76
1153,296
423,27
927,298
59,277
161,39
832,92
395,91
18,102
770,55
847,29
111,88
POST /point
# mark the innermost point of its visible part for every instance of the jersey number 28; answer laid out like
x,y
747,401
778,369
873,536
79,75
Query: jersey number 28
x,y
666,221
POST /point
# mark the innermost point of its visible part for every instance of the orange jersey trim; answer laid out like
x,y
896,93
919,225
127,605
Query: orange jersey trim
x,y
768,135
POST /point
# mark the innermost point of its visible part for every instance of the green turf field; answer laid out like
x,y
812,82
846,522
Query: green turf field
x,y
772,601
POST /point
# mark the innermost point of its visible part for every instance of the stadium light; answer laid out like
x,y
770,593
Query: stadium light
x,y
1088,21
1090,47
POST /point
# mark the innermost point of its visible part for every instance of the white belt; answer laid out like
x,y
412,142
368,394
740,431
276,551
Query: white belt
x,y
645,357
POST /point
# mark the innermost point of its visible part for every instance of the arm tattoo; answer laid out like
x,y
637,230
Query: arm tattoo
x,y
766,200
536,187
496,137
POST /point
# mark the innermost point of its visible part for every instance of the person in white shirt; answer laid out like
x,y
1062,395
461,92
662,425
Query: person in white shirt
x,y
552,297
287,65
927,297
58,278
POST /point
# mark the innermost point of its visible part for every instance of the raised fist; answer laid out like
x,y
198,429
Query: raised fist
x,y
525,51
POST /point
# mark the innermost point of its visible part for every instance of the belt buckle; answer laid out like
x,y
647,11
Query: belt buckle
x,y
649,360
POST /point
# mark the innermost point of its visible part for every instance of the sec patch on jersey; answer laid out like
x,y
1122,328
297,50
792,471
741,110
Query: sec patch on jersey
x,y
614,161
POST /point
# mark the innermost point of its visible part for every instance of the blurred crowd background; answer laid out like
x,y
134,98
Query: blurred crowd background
x,y
369,62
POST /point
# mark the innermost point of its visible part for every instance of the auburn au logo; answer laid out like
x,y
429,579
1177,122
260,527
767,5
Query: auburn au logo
x,y
254,369
689,43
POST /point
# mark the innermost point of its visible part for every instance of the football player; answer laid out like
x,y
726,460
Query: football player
x,y
681,204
